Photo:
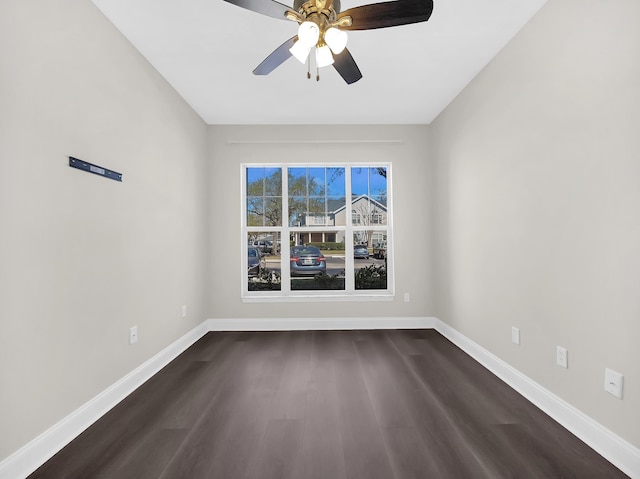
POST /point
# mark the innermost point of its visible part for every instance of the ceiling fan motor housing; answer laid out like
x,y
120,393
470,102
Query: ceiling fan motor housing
x,y
299,4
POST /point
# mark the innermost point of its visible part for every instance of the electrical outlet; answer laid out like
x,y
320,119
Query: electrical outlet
x,y
562,357
133,335
515,335
613,382
407,297
184,310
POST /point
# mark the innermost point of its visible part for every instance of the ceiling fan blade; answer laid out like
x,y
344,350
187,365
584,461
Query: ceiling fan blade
x,y
346,67
276,58
271,8
388,14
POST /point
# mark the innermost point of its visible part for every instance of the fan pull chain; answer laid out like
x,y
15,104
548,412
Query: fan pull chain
x,y
309,67
317,73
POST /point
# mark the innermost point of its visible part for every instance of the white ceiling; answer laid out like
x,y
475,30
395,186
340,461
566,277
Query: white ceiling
x,y
207,49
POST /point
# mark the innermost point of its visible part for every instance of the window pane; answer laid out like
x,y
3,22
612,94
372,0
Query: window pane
x,y
255,181
264,197
273,182
297,210
359,181
263,261
369,272
336,182
336,213
378,184
317,181
317,207
273,211
255,211
369,196
297,181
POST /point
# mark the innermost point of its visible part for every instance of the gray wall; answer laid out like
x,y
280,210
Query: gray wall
x,y
83,258
538,178
407,148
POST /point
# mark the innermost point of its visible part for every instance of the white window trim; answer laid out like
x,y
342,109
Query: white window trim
x,y
349,293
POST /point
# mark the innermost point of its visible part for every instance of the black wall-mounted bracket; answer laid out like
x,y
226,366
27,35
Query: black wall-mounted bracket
x,y
95,169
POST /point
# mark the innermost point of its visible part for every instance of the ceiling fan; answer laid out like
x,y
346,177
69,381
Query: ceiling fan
x,y
322,26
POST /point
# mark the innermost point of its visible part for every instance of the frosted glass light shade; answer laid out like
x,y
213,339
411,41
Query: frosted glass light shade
x,y
300,51
308,34
323,56
336,39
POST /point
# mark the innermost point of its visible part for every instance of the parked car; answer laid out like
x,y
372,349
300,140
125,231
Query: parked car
x,y
380,250
263,246
360,251
255,262
307,260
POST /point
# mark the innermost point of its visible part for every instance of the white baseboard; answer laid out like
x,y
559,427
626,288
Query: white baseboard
x,y
316,324
31,456
616,450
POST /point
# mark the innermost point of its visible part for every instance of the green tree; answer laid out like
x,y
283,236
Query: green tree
x,y
264,200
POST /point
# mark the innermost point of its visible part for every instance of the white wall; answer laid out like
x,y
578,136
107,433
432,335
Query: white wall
x,y
538,174
83,258
412,179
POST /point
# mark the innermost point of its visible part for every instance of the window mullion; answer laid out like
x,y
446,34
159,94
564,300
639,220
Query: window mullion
x,y
348,240
285,273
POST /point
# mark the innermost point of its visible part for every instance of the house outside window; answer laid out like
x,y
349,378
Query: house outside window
x,y
295,218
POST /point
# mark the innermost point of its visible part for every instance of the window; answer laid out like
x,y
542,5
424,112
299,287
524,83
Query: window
x,y
301,240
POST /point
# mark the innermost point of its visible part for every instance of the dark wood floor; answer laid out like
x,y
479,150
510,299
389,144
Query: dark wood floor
x,y
326,405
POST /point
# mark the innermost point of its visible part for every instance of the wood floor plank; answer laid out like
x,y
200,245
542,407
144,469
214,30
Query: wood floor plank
x,y
364,450
291,396
147,458
280,451
322,451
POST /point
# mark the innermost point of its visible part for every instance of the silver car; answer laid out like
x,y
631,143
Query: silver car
x,y
361,251
307,260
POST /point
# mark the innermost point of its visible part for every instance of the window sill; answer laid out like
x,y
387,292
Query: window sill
x,y
319,298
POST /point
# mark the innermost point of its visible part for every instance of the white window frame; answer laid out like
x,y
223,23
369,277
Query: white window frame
x,y
349,293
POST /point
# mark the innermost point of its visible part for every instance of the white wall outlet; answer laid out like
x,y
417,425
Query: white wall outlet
x,y
407,297
562,357
133,335
515,335
184,310
613,382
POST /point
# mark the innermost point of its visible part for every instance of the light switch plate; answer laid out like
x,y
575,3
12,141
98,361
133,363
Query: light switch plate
x,y
515,335
133,335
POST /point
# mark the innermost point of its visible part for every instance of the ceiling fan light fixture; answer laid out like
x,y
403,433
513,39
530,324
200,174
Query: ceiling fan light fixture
x,y
336,39
308,34
324,57
300,51
318,19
